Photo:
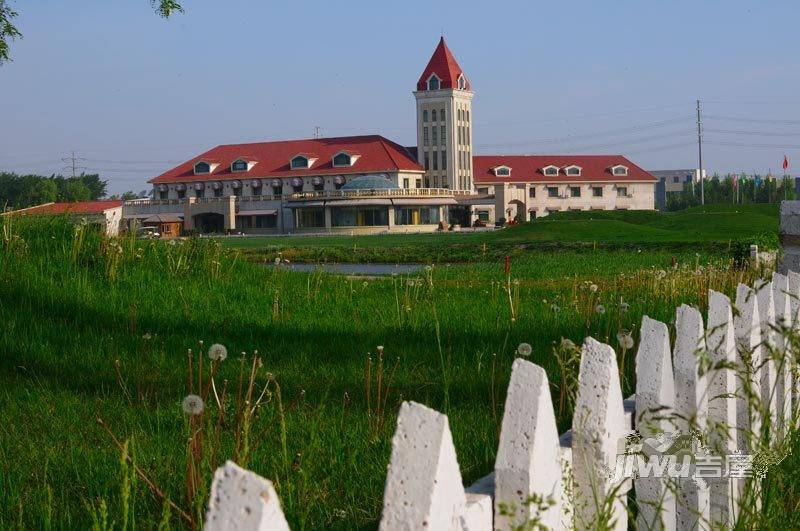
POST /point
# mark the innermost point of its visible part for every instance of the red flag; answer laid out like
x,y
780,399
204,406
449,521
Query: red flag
x,y
785,163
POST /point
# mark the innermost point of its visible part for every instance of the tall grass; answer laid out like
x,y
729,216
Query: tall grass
x,y
96,327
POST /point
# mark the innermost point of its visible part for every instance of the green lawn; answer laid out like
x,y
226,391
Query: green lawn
x,y
72,304
720,226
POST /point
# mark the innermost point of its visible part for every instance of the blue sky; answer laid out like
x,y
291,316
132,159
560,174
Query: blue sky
x,y
133,94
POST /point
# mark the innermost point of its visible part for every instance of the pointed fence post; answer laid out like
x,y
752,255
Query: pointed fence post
x,y
528,464
721,343
747,325
769,346
655,400
783,366
597,429
423,483
241,499
794,299
691,408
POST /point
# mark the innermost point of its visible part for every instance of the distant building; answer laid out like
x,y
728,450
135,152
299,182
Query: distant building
x,y
671,181
371,184
107,215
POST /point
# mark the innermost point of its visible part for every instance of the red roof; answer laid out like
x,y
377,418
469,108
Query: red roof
x,y
446,68
529,168
78,207
376,154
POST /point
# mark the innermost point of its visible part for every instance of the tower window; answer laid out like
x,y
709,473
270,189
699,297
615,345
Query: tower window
x,y
433,83
462,82
425,115
424,136
427,161
433,116
444,135
435,161
467,112
442,115
444,160
435,132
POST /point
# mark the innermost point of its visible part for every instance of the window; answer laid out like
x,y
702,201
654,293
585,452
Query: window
x,y
244,222
597,191
405,182
202,167
552,191
435,161
163,195
297,187
218,192
467,113
483,191
425,115
620,170
319,186
444,160
676,179
342,159
277,190
483,215
622,191
427,161
433,83
441,115
551,170
200,192
462,82
237,191
575,191
520,186
460,114
359,217
265,222
573,170
239,165
255,190
532,191
433,116
310,217
416,216
181,194
435,132
443,135
299,162
424,136
501,171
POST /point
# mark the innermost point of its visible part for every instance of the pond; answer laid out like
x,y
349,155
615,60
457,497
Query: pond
x,y
357,269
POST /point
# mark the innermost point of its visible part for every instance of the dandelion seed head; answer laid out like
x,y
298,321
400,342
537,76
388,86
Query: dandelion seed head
x,y
217,352
555,307
624,307
192,405
600,309
567,344
593,288
524,349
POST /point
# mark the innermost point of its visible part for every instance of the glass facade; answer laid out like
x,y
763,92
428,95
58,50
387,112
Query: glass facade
x,y
359,217
310,217
261,221
416,216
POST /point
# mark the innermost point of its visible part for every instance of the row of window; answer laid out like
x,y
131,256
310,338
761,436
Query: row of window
x,y
254,190
463,115
435,158
553,171
573,191
434,83
435,135
339,160
434,116
463,135
366,216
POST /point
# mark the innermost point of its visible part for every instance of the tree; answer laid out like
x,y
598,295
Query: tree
x,y
72,190
94,184
8,32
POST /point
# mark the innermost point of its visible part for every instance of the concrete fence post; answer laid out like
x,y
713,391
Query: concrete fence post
x,y
597,429
789,234
747,325
423,482
783,366
691,408
655,400
721,344
528,464
241,499
794,299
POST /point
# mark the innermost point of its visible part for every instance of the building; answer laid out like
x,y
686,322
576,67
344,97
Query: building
x,y
672,181
370,184
106,215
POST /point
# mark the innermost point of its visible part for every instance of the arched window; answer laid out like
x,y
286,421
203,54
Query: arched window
x,y
425,115
502,171
202,167
342,159
462,82
621,170
239,165
299,162
434,83
433,116
551,171
573,170
442,115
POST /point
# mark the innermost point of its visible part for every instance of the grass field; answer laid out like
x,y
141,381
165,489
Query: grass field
x,y
718,227
96,328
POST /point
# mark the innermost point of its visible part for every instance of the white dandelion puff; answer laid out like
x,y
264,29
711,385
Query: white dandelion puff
x,y
277,261
193,405
556,308
217,352
524,349
600,309
567,344
625,340
593,288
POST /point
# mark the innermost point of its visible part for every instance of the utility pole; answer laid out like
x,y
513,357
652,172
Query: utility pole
x,y
72,164
700,155
317,132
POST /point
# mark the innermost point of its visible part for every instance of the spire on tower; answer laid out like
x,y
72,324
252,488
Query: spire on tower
x,y
444,65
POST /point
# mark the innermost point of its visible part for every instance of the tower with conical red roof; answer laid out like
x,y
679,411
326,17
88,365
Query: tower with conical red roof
x,y
444,122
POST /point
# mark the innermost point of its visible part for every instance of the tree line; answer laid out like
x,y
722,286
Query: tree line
x,y
21,191
735,189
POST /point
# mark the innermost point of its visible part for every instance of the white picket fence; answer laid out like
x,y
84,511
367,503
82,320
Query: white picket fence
x,y
567,481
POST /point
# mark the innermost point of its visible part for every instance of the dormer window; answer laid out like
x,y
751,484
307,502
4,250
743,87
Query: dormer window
x,y
619,170
502,171
434,83
202,167
462,82
239,165
573,171
550,171
342,159
299,162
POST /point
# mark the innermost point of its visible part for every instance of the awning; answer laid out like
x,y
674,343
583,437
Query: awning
x,y
302,204
137,216
257,213
164,218
359,202
425,201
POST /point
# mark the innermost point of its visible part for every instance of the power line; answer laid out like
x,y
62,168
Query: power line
x,y
753,120
752,133
752,145
73,161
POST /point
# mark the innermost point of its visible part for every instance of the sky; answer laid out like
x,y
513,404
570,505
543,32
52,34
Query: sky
x,y
133,95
